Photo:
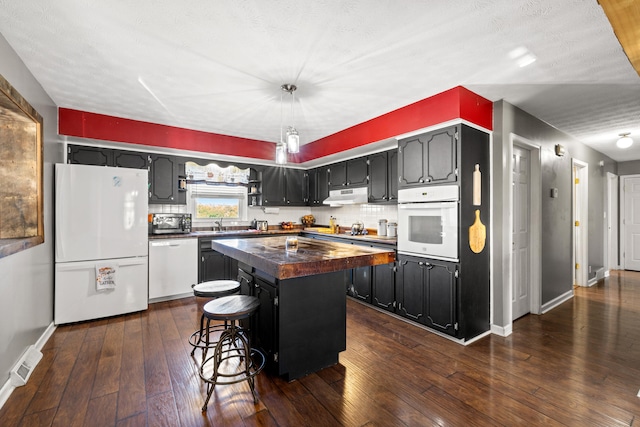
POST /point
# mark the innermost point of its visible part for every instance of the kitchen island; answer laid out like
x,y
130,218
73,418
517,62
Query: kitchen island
x,y
301,323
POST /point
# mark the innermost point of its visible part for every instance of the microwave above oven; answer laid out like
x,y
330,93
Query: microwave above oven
x,y
428,222
170,223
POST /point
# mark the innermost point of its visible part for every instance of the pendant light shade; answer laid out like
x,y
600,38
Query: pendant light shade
x,y
281,154
625,141
292,142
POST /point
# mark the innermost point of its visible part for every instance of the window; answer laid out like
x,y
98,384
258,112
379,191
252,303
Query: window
x,y
211,203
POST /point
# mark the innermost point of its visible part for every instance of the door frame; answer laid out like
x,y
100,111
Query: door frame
x,y
580,170
535,226
612,225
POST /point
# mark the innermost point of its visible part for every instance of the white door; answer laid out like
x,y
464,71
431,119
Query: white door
x,y
631,223
521,292
580,224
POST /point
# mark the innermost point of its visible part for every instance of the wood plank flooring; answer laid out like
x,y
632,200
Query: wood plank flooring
x,y
578,365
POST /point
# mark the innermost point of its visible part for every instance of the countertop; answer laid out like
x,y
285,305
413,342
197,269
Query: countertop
x,y
313,256
238,233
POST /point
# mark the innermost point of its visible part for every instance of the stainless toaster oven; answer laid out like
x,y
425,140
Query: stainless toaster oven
x,y
170,223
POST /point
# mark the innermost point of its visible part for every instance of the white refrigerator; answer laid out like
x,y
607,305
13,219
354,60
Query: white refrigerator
x,y
101,252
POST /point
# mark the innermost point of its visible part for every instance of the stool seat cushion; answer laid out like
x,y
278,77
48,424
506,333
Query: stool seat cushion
x,y
232,307
216,288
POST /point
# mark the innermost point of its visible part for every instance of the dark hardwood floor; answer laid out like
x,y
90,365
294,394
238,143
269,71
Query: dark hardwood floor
x,y
578,365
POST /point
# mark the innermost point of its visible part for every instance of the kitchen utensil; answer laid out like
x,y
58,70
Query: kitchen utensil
x,y
392,229
382,227
357,227
262,225
477,234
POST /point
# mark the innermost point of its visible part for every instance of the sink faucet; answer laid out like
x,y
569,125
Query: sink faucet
x,y
218,225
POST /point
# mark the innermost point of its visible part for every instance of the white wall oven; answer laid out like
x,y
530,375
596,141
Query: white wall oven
x,y
428,222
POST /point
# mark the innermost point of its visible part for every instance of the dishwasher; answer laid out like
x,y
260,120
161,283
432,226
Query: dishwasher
x,y
173,268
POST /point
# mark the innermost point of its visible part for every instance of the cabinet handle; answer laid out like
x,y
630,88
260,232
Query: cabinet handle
x,y
421,180
256,285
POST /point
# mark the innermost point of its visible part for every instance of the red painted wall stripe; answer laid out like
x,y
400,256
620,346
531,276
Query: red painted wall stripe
x,y
109,128
455,103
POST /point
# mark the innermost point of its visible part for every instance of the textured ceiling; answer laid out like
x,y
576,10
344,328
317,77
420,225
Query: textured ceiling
x,y
218,65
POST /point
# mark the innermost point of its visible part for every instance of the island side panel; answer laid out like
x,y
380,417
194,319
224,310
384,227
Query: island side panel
x,y
312,323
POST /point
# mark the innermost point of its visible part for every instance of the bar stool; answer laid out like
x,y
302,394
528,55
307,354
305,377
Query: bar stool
x,y
201,338
233,359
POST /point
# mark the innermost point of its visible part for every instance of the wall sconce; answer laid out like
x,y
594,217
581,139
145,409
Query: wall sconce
x,y
560,150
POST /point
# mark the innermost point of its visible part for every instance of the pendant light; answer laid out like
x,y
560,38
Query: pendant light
x,y
625,141
292,142
293,139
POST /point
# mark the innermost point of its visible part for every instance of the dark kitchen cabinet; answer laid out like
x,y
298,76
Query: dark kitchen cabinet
x,y
426,292
164,175
273,189
410,288
284,187
130,159
215,266
383,287
383,177
354,173
440,298
318,185
265,322
296,187
429,158
360,286
96,156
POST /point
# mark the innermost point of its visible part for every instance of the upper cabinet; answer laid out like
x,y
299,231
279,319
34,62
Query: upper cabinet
x,y
77,154
318,185
429,158
352,173
296,187
383,177
130,159
165,173
97,156
284,187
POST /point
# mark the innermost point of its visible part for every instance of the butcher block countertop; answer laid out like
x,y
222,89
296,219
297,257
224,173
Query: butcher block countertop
x,y
313,256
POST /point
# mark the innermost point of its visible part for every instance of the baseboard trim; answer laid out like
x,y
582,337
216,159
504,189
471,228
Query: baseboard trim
x,y
7,388
503,331
556,301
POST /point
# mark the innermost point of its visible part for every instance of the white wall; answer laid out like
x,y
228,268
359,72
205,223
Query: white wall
x,y
26,278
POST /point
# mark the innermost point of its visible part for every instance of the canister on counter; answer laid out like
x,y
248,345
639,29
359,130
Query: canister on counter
x,y
392,229
382,227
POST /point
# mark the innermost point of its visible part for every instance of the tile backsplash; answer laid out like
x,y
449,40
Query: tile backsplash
x,y
369,214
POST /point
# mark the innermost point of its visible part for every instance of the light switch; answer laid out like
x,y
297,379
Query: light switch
x,y
554,193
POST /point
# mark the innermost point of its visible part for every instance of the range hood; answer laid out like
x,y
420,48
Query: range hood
x,y
349,196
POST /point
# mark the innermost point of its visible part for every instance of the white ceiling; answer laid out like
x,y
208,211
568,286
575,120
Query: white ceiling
x,y
218,65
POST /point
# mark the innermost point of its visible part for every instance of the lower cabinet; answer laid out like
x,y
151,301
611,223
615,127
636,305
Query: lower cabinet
x,y
215,266
383,287
360,286
426,292
265,322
